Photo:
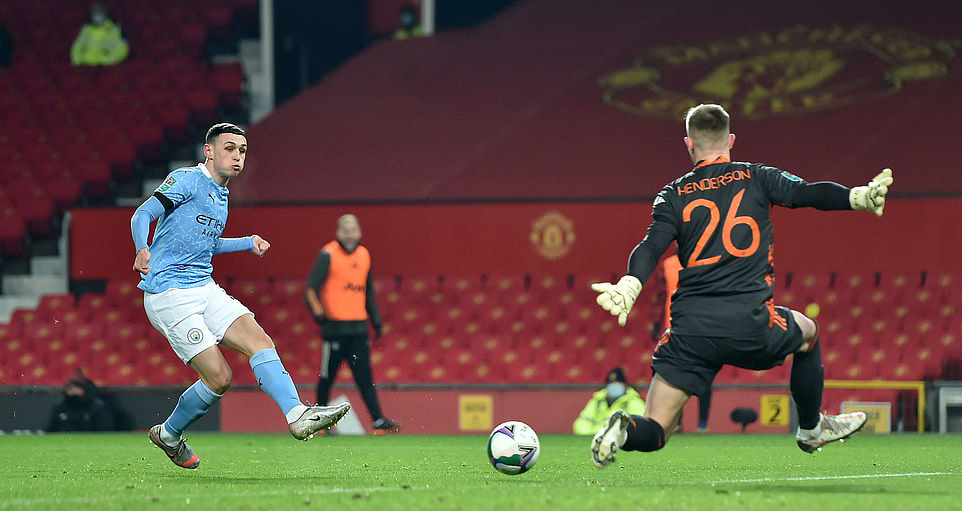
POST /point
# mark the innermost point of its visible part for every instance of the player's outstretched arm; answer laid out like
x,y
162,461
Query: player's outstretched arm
x,y
871,197
618,298
140,222
788,190
252,243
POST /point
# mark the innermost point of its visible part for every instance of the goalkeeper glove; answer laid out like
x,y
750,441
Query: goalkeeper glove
x,y
618,298
872,196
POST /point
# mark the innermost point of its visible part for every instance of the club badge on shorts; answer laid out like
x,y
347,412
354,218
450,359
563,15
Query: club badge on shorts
x,y
195,335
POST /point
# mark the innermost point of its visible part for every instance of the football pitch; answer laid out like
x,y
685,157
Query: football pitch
x,y
710,472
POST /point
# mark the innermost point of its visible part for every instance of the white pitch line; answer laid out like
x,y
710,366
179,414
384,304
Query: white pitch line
x,y
831,478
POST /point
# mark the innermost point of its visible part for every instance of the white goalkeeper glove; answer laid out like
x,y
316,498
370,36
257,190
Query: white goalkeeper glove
x,y
872,197
618,298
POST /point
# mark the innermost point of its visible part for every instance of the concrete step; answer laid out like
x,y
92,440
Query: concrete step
x,y
34,285
250,55
49,265
129,202
259,79
225,58
149,186
8,304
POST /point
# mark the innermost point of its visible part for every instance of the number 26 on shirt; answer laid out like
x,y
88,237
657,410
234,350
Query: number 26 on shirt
x,y
731,220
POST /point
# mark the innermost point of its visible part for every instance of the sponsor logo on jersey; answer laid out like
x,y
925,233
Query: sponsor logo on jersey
x,y
790,71
553,235
350,286
216,226
208,221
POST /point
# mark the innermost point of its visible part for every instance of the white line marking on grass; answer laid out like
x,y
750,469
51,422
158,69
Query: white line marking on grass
x,y
831,478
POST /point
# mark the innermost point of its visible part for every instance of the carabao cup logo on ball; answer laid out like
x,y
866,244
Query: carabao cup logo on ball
x,y
513,448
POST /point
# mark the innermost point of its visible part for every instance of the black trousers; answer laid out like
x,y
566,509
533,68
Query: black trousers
x,y
357,351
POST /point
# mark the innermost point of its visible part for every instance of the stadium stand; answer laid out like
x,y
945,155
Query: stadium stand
x,y
473,329
396,123
80,130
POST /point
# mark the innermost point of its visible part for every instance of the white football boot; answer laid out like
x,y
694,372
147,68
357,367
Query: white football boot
x,y
607,440
831,428
316,418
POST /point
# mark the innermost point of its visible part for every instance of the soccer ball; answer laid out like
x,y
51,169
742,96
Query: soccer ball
x,y
513,448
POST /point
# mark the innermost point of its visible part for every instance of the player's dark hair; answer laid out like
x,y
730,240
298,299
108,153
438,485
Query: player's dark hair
x,y
221,128
707,122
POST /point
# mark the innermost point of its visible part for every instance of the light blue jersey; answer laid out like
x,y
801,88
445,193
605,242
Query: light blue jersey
x,y
188,232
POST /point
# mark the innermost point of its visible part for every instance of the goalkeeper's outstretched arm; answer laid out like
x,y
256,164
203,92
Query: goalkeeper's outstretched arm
x,y
644,257
829,196
618,298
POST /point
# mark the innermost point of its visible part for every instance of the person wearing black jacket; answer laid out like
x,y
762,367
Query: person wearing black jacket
x,y
81,409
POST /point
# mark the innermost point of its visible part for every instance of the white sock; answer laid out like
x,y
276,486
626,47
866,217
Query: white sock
x,y
167,438
295,413
622,438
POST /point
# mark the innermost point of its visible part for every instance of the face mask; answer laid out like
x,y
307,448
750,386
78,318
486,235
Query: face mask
x,y
98,17
615,389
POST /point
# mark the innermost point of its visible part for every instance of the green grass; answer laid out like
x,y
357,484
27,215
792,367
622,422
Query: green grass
x,y
412,473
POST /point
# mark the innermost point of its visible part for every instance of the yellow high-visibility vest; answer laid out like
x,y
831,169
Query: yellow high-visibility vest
x,y
99,45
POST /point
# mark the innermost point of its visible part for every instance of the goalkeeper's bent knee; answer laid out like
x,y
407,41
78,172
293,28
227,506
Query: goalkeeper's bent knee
x,y
644,434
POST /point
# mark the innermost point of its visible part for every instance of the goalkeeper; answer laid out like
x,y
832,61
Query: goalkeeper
x,y
723,311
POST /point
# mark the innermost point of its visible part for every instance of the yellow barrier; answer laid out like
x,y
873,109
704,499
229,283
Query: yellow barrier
x,y
918,386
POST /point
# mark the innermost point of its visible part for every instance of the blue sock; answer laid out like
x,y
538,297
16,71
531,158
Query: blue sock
x,y
192,405
274,379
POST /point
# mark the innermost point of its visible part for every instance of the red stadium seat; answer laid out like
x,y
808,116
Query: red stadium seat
x,y
461,285
229,80
12,233
943,284
483,373
506,285
899,284
531,372
810,286
548,285
291,290
855,283
37,214
921,303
